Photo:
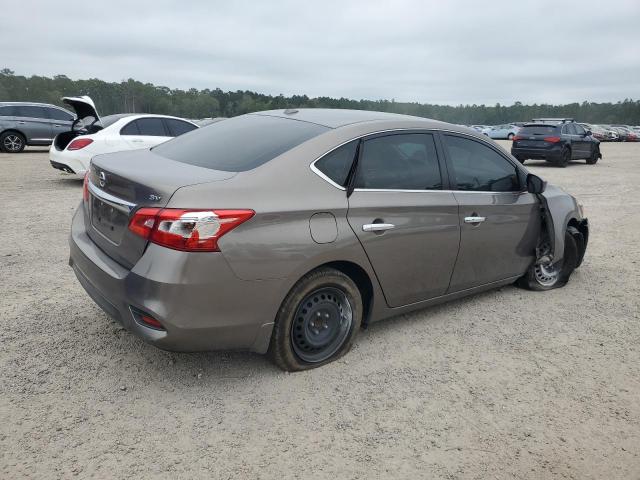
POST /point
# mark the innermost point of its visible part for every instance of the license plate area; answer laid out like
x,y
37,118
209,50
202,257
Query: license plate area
x,y
108,220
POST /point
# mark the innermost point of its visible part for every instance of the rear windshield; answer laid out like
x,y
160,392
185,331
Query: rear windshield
x,y
239,144
538,130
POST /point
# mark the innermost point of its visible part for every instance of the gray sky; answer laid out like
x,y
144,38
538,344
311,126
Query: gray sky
x,y
426,51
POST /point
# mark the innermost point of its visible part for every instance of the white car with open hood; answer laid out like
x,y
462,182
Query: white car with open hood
x,y
92,135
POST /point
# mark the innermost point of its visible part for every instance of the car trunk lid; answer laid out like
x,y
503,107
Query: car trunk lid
x,y
122,182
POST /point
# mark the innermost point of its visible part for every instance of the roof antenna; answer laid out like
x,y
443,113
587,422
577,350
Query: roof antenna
x,y
290,111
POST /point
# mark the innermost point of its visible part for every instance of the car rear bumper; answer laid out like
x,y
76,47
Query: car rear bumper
x,y
551,154
196,297
70,162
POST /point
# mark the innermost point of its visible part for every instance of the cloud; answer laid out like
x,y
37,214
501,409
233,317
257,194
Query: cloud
x,y
435,52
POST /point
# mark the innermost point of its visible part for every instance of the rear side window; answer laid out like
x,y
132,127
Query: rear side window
x,y
29,111
130,128
539,130
476,167
399,162
336,165
57,114
178,127
239,144
152,127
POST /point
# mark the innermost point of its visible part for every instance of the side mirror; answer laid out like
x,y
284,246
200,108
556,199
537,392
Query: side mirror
x,y
535,184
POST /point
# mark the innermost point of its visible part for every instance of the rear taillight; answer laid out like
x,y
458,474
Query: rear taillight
x,y
79,143
149,321
85,187
552,139
187,230
517,137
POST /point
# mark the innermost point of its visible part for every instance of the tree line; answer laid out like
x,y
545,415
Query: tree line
x,y
131,96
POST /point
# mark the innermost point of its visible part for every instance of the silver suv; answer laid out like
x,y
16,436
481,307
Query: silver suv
x,y
25,123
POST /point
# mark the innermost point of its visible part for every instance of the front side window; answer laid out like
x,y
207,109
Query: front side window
x,y
336,164
178,127
477,167
29,111
152,127
399,162
579,129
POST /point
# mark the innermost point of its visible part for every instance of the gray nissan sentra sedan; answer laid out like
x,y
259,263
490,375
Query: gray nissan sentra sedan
x,y
287,231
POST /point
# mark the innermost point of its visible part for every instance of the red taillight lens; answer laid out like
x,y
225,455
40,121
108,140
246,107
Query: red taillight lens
x,y
85,187
79,143
517,137
143,221
552,139
187,230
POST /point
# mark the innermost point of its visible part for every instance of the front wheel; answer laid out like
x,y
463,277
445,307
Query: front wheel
x,y
12,142
317,322
593,159
542,277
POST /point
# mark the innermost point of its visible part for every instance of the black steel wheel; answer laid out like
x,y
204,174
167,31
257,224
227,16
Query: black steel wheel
x,y
595,155
565,158
317,322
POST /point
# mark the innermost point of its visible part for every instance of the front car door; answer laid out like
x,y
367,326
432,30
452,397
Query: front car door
x,y
499,219
583,142
34,123
405,220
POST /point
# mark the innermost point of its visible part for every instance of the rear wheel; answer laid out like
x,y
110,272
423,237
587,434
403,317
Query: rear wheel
x,y
542,277
565,158
593,159
510,136
12,142
317,322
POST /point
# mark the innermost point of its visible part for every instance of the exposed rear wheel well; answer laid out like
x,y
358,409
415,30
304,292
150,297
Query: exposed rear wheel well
x,y
361,279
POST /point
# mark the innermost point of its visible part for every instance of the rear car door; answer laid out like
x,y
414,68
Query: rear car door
x,y
59,120
33,122
499,219
404,219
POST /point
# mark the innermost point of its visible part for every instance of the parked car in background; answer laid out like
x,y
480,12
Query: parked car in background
x,y
611,135
627,132
502,132
558,143
33,124
195,244
480,128
596,131
92,135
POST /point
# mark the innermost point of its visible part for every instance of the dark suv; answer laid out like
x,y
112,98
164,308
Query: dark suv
x,y
556,141
24,123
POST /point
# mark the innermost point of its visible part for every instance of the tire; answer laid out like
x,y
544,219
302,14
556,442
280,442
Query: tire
x,y
317,321
541,278
593,159
510,136
564,159
12,142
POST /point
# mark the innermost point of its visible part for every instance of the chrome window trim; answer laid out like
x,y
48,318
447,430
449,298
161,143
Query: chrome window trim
x,y
315,169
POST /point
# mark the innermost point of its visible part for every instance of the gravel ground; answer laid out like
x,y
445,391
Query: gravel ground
x,y
505,384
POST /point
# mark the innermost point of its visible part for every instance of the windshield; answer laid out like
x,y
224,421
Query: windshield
x,y
239,144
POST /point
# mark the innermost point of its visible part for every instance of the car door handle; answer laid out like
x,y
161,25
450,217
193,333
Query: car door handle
x,y
377,227
137,140
474,219
57,126
21,123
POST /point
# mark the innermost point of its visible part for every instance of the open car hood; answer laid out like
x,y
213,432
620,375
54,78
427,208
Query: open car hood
x,y
83,106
